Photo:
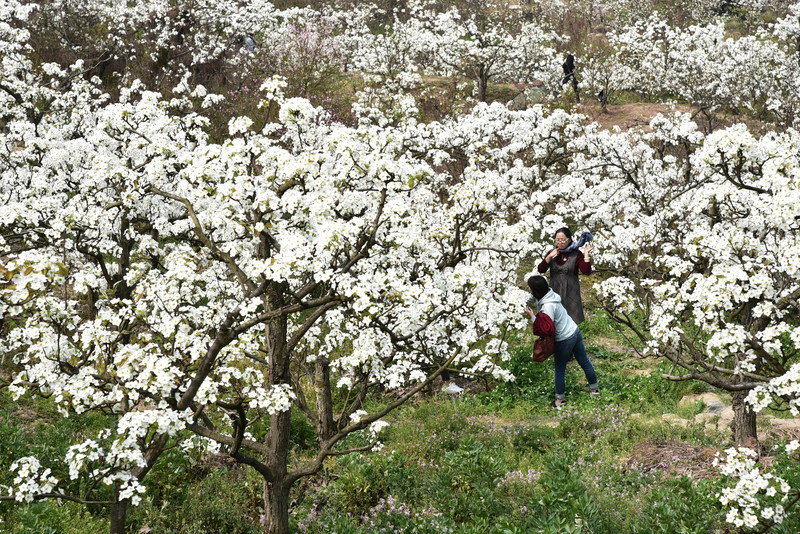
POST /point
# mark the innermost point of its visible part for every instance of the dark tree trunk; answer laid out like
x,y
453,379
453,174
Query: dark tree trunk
x,y
276,491
483,83
744,422
276,508
322,379
119,512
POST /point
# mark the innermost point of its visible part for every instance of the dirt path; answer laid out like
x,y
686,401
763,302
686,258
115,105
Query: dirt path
x,y
628,115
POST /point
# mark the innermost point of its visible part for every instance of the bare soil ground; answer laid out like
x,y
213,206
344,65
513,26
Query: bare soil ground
x,y
674,458
628,115
615,345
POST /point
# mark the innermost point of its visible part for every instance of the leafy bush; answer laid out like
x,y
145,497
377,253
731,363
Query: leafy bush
x,y
679,505
533,439
608,423
534,381
224,501
367,480
563,505
465,482
51,518
390,515
646,393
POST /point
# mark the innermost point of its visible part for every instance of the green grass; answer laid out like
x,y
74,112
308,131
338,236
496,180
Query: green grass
x,y
469,470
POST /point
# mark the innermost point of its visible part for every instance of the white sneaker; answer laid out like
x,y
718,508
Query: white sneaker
x,y
453,389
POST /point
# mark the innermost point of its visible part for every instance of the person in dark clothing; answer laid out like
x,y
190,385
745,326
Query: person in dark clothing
x,y
602,98
564,263
568,67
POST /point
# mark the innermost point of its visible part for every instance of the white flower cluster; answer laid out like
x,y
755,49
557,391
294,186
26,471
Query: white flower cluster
x,y
620,293
276,399
30,480
356,416
206,32
374,431
756,495
111,459
786,387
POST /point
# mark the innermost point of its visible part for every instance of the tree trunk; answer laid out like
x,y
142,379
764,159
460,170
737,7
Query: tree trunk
x,y
744,422
119,512
276,508
276,491
322,380
483,83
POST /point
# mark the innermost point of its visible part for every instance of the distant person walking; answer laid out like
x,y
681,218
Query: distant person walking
x,y
568,68
564,263
553,320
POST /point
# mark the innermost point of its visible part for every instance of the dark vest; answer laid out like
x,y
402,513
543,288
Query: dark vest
x,y
564,282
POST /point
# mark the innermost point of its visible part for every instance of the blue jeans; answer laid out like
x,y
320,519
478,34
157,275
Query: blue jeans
x,y
572,346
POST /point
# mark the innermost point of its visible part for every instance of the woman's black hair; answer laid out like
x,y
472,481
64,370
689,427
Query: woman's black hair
x,y
563,230
538,286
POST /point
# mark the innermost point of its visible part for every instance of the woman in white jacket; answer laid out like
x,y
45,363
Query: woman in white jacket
x,y
553,319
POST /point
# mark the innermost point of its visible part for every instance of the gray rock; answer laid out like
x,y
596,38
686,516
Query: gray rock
x,y
535,95
711,402
519,102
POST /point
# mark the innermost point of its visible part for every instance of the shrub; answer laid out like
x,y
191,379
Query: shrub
x,y
608,423
224,501
366,480
563,505
534,381
466,481
679,505
527,439
51,518
390,515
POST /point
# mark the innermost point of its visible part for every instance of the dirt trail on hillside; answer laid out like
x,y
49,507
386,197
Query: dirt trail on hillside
x,y
629,115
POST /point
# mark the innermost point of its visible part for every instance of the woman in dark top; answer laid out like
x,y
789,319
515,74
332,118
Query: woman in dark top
x,y
568,67
564,266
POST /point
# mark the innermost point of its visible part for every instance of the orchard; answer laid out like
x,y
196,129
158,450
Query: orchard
x,y
245,239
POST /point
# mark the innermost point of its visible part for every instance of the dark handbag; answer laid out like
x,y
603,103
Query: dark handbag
x,y
543,348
